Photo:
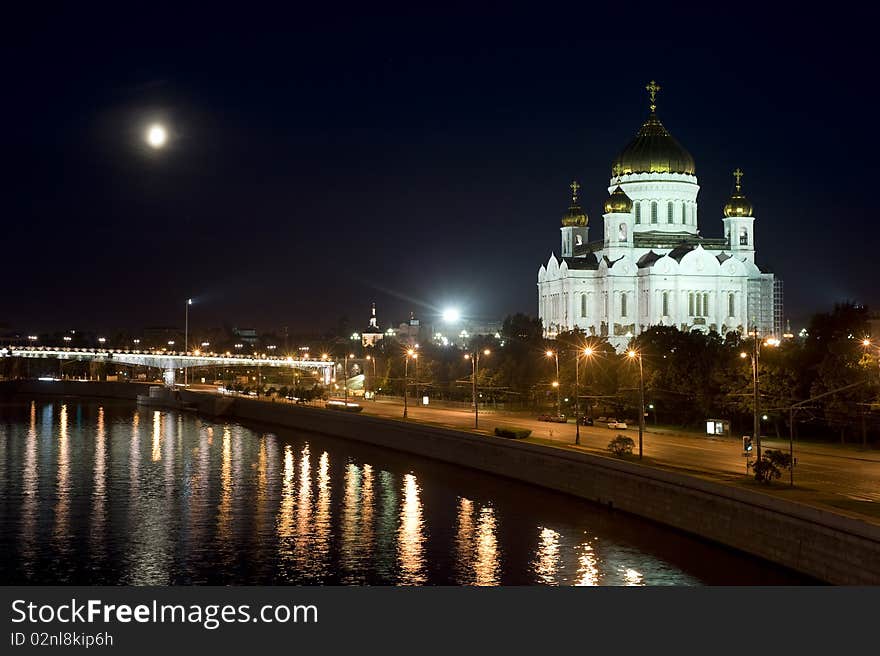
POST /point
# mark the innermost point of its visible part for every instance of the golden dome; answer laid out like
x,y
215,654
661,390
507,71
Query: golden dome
x,y
618,203
575,215
653,150
738,205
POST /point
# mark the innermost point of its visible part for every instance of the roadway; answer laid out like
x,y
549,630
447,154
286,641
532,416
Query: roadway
x,y
845,478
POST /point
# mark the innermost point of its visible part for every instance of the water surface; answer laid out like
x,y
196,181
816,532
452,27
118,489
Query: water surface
x,y
110,493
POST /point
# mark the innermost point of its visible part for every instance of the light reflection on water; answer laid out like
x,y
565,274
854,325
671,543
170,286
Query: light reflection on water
x,y
110,494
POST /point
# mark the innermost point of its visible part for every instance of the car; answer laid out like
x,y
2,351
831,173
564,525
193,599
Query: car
x,y
585,421
617,424
559,419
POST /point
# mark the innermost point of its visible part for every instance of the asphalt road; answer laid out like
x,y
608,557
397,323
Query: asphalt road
x,y
845,478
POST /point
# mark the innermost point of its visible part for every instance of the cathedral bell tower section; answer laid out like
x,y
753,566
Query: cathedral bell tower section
x,y
739,222
574,226
618,224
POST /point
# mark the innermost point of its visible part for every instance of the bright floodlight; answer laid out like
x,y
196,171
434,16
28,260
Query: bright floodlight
x,y
156,136
451,315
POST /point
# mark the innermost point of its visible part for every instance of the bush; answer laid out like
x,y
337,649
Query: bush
x,y
513,433
621,446
770,465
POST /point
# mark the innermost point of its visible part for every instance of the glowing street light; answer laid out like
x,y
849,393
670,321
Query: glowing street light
x,y
451,315
410,353
475,362
585,352
632,355
555,356
157,135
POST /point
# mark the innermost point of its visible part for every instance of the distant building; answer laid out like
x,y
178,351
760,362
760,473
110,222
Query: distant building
x,y
246,335
411,332
372,334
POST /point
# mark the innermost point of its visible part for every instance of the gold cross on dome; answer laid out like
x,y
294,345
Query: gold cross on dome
x,y
652,89
738,174
574,186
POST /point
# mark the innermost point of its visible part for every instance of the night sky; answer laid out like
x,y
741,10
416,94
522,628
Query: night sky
x,y
418,159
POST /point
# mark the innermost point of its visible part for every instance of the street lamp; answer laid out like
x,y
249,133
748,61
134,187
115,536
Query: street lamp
x,y
371,358
475,366
410,353
587,352
345,375
756,419
633,355
555,356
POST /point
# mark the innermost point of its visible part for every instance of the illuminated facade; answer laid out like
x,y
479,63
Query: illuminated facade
x,y
652,266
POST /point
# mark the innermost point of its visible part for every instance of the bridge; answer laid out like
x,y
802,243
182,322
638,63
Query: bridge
x,y
168,361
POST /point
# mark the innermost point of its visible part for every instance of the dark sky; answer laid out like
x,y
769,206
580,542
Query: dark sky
x,y
321,161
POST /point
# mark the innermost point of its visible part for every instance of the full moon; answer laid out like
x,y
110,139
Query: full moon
x,y
156,136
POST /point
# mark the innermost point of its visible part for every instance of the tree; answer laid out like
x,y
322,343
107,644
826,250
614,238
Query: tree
x,y
621,446
770,465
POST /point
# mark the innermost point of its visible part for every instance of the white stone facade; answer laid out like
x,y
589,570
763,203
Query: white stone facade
x,y
654,268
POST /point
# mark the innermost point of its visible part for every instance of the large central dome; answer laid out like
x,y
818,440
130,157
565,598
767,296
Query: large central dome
x,y
653,150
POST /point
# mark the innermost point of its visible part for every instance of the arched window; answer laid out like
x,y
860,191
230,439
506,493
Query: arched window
x,y
683,213
638,209
743,237
653,211
578,240
583,305
693,215
621,232
669,213
705,305
623,304
665,304
731,305
691,304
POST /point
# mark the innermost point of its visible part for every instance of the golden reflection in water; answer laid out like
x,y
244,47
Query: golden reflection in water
x,y
99,491
476,545
262,486
323,528
632,577
157,436
351,550
62,506
547,559
486,566
588,569
464,540
367,509
134,459
303,511
29,485
410,537
284,523
224,510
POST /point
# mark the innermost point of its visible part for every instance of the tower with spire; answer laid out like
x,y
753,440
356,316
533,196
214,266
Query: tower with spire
x,y
739,221
575,225
372,333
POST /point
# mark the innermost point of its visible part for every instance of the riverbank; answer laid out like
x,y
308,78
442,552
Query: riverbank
x,y
825,545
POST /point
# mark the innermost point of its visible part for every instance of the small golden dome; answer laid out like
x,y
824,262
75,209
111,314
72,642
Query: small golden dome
x,y
575,215
618,203
738,205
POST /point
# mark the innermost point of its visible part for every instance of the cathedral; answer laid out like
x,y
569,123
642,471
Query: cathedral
x,y
652,266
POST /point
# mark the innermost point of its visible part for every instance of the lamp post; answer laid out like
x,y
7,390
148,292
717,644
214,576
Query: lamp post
x,y
410,353
577,391
555,356
756,419
635,355
345,360
475,370
369,358
189,302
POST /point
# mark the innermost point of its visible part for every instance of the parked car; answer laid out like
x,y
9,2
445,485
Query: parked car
x,y
559,419
617,424
585,421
